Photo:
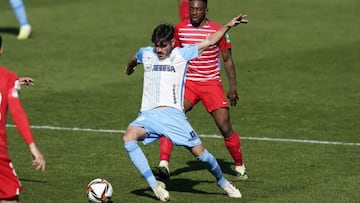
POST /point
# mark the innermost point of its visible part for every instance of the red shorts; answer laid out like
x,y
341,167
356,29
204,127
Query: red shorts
x,y
9,183
211,94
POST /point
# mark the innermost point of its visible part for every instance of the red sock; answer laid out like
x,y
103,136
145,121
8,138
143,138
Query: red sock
x,y
232,143
165,148
184,10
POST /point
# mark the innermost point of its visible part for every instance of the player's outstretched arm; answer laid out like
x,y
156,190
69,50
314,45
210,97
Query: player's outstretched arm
x,y
130,67
214,38
38,158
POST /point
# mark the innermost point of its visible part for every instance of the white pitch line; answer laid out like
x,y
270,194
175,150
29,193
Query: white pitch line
x,y
206,136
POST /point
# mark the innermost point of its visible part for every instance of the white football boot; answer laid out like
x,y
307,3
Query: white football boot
x,y
232,191
241,172
160,192
24,33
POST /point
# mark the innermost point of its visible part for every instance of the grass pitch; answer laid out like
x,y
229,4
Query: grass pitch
x,y
298,78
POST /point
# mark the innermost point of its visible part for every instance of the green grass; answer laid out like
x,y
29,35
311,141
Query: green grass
x,y
298,78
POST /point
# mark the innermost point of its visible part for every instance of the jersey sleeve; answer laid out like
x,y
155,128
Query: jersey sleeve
x,y
18,113
189,52
224,43
139,54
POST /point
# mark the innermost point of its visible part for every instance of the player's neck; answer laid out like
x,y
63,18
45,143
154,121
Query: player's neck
x,y
202,24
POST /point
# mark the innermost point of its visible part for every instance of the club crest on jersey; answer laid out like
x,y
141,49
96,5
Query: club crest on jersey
x,y
227,38
165,68
147,68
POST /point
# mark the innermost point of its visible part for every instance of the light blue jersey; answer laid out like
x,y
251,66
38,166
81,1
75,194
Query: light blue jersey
x,y
164,82
164,79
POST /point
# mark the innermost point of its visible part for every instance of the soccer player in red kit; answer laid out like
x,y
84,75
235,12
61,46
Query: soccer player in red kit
x,y
10,186
184,9
203,83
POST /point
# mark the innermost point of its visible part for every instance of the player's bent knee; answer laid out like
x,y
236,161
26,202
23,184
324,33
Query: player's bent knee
x,y
198,150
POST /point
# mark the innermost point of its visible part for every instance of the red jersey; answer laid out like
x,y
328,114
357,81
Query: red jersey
x,y
206,67
9,99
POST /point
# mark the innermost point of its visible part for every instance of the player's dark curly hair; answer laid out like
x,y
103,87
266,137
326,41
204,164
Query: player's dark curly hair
x,y
0,41
205,1
162,33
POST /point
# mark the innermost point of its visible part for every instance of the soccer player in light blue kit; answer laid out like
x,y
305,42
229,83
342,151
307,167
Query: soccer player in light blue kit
x,y
161,111
20,13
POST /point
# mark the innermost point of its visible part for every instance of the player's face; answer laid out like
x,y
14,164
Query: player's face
x,y
198,11
163,49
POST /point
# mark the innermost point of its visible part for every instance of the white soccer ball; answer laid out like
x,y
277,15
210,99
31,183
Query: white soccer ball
x,y
99,190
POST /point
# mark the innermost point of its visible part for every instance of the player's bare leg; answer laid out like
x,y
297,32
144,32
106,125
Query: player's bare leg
x,y
231,140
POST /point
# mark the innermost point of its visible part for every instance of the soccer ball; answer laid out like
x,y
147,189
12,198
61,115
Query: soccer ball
x,y
99,190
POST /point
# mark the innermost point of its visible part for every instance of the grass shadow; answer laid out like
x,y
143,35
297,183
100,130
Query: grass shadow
x,y
178,185
32,181
9,30
226,167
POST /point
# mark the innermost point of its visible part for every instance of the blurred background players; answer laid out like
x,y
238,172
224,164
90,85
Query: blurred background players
x,y
10,186
20,13
183,9
203,83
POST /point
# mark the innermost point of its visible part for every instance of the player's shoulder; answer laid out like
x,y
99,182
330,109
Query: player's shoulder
x,y
147,48
3,70
8,78
8,73
183,23
143,50
213,24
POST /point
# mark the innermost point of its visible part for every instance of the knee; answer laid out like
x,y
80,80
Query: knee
x,y
126,138
131,134
197,150
223,123
226,130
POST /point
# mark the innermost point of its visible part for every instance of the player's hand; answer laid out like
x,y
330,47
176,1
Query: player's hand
x,y
129,71
233,97
38,158
26,81
242,18
237,20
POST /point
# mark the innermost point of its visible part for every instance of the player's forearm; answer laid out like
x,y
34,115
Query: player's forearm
x,y
130,67
231,73
214,38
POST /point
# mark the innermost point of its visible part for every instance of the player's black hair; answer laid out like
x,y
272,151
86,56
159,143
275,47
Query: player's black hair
x,y
205,1
0,41
162,33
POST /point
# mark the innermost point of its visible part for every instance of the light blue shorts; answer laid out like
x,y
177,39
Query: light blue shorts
x,y
169,122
